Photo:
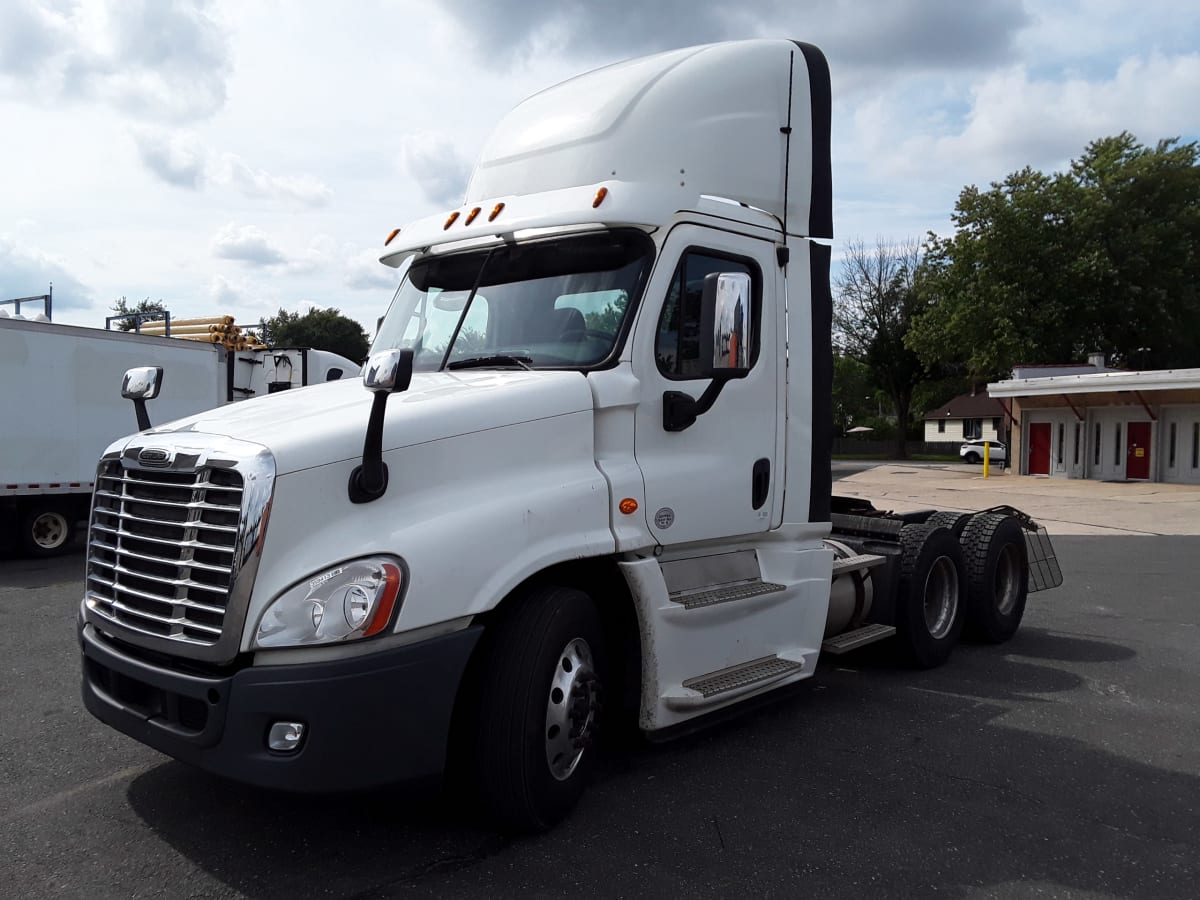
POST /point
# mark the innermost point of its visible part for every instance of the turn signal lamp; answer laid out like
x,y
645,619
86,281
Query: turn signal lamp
x,y
496,210
450,221
600,195
391,236
628,506
471,216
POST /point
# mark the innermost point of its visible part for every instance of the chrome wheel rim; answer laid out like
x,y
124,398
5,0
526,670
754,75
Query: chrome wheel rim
x,y
941,597
570,708
49,530
1008,579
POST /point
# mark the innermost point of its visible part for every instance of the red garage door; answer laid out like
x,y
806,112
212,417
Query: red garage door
x,y
1137,450
1039,448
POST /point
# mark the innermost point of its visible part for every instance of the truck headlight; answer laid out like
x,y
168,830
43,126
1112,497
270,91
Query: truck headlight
x,y
354,600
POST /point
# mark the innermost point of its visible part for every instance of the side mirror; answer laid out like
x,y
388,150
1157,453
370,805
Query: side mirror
x,y
139,385
726,345
387,372
725,323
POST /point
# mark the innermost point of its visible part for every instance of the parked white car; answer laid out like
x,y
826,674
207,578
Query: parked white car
x,y
972,451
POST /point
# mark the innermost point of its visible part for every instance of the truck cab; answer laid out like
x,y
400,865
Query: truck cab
x,y
589,478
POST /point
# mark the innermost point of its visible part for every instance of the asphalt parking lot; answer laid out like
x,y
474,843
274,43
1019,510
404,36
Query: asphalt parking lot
x,y
1065,763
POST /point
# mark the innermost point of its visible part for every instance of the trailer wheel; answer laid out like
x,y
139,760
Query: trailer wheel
x,y
997,576
929,605
539,707
46,529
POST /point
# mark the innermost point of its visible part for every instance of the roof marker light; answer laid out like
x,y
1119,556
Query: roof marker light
x,y
450,221
496,210
471,216
600,195
391,236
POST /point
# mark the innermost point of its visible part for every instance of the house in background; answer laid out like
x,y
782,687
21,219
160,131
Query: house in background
x,y
1105,424
966,417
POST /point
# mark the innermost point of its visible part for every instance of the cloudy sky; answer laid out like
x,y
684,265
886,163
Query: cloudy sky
x,y
238,157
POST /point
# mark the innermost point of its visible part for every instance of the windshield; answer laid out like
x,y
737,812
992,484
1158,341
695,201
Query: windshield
x,y
557,303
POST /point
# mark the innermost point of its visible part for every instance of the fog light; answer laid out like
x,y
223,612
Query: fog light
x,y
285,736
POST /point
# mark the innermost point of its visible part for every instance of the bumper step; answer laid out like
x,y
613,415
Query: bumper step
x,y
859,637
725,593
740,679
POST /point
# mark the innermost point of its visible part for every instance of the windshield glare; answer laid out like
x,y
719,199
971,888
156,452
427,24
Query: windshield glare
x,y
557,303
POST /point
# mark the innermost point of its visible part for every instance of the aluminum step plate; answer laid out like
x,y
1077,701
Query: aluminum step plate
x,y
859,637
726,593
769,668
848,564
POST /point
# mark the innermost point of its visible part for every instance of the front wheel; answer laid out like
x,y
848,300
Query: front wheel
x,y
539,708
929,604
972,458
46,530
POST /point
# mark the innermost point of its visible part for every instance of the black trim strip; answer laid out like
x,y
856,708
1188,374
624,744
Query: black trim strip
x,y
821,477
820,98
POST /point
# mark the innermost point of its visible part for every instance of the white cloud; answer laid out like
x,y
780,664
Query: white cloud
x,y
26,271
251,182
246,244
1016,119
155,59
364,272
438,167
177,158
180,159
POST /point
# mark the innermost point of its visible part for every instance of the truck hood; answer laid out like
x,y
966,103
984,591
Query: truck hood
x,y
327,423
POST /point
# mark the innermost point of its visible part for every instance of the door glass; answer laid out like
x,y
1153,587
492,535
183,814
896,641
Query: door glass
x,y
677,344
1096,446
1062,429
1171,448
1075,460
1117,445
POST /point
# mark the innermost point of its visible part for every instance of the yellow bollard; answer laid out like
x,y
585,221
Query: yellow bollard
x,y
987,457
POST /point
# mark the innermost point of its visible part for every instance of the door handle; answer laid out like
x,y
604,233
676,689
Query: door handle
x,y
760,482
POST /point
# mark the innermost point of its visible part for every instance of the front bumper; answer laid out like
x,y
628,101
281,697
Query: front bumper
x,y
370,720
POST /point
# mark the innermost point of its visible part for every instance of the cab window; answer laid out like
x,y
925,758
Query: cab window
x,y
677,344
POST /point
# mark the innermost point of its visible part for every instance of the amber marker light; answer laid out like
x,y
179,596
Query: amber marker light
x,y
600,195
387,603
391,236
628,506
450,221
496,210
471,216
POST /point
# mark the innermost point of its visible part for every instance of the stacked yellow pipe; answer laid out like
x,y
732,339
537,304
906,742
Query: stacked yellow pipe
x,y
209,330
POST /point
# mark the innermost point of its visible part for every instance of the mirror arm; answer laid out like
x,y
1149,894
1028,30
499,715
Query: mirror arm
x,y
680,411
369,480
143,417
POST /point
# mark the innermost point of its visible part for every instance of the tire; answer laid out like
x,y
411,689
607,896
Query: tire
x,y
533,743
47,529
997,576
956,522
929,603
972,458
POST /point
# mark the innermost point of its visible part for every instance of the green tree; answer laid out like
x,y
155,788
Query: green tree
x,y
853,392
320,329
1047,268
875,302
151,310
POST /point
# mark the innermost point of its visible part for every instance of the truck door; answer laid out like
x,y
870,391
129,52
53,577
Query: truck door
x,y
720,476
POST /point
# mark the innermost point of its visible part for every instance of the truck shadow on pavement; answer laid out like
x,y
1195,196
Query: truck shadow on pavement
x,y
860,782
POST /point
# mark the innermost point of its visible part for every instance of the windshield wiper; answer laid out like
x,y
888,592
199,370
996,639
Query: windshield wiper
x,y
484,362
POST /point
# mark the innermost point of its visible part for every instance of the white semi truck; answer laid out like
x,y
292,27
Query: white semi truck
x,y
58,409
593,483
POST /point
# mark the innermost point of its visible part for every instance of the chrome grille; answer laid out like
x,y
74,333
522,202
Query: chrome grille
x,y
163,548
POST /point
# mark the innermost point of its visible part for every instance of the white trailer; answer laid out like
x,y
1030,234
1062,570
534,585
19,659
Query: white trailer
x,y
595,463
58,409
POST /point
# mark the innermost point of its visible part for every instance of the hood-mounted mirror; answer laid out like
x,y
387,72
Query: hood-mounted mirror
x,y
387,372
139,385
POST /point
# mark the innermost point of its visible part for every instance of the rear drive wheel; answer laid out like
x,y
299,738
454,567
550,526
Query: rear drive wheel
x,y
997,576
46,530
539,708
956,522
929,607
